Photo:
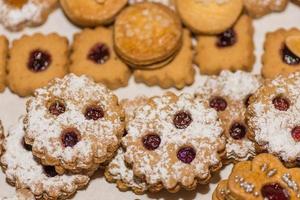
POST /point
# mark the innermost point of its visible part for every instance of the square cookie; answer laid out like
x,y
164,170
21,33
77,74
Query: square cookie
x,y
3,59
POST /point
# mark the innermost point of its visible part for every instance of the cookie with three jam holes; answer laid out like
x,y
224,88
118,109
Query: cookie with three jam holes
x,y
229,95
229,50
17,14
282,53
259,8
21,194
74,124
35,60
273,118
91,13
173,142
94,56
264,178
147,35
22,170
3,60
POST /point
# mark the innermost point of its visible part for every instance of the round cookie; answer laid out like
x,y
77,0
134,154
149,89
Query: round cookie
x,y
173,142
3,61
24,172
94,56
146,34
21,194
17,14
228,94
274,115
259,8
35,60
92,13
209,16
74,124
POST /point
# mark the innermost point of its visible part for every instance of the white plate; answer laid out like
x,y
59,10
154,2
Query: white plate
x,y
11,106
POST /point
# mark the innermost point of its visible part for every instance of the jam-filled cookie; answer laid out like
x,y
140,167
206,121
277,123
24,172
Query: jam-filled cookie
x,y
21,194
259,8
264,178
173,142
35,60
273,117
178,73
17,14
92,13
209,16
231,50
228,94
3,61
23,171
147,35
74,124
282,53
93,54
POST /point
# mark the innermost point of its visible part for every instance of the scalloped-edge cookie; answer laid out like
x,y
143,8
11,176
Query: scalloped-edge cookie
x,y
3,61
259,8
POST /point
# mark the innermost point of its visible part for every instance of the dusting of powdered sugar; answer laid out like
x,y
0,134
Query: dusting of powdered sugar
x,y
240,149
164,2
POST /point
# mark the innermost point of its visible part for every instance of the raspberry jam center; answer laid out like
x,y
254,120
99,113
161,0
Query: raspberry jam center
x,y
39,60
281,103
227,38
186,154
182,120
99,53
237,131
296,133
70,137
50,171
289,57
94,113
57,108
274,191
151,141
218,103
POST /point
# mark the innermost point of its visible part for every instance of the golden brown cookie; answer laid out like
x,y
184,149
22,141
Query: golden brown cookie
x,y
281,56
92,13
259,8
231,50
209,16
178,73
146,34
94,56
3,61
35,60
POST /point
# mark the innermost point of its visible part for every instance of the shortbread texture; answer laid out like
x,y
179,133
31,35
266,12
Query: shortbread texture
x,y
3,61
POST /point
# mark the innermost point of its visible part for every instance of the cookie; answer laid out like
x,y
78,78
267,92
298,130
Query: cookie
x,y
74,124
231,50
91,13
21,194
209,16
129,105
146,34
273,117
259,8
3,59
263,178
228,94
94,56
35,60
17,14
178,73
24,172
278,58
173,142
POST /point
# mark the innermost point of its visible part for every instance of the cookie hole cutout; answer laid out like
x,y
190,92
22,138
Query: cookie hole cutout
x,y
99,53
186,154
288,57
93,112
281,103
296,133
151,141
70,137
238,131
57,107
49,171
182,119
218,103
39,60
227,38
16,3
26,146
274,191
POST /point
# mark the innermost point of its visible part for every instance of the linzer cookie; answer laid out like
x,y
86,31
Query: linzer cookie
x,y
74,124
209,16
230,50
21,194
282,53
229,94
173,142
17,14
23,171
35,60
94,56
3,59
147,34
264,178
273,117
259,8
92,13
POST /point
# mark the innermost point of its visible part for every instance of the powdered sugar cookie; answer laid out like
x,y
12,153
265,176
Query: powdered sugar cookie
x,y
24,172
259,8
173,142
228,94
17,14
274,117
21,194
3,59
74,124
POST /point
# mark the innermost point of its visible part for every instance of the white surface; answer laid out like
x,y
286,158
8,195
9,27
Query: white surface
x,y
11,106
